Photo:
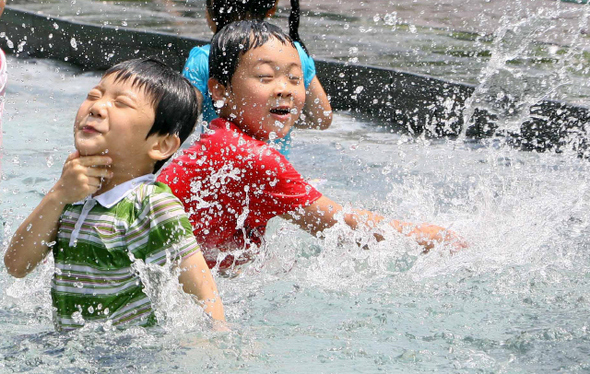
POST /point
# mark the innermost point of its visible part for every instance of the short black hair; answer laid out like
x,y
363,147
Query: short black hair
x,y
172,96
235,39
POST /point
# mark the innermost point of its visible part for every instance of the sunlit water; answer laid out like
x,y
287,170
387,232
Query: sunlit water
x,y
515,301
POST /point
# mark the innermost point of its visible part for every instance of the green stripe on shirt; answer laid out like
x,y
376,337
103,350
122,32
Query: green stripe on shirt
x,y
97,274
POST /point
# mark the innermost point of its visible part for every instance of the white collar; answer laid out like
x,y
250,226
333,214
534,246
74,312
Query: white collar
x,y
114,195
107,200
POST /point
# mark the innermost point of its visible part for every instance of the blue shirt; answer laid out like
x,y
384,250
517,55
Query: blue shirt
x,y
196,70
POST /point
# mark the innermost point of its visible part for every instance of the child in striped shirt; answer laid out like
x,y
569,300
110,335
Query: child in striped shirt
x,y
106,220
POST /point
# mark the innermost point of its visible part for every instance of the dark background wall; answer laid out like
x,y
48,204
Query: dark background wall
x,y
406,102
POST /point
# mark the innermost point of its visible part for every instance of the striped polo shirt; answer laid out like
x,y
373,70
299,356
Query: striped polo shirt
x,y
102,242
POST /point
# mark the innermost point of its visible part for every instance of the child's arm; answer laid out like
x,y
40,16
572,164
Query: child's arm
x,y
196,70
199,100
196,279
31,242
317,108
321,215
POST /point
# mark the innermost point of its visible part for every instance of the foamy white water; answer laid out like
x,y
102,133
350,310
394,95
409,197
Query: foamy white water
x,y
514,301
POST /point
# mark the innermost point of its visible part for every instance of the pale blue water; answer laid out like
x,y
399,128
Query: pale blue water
x,y
514,302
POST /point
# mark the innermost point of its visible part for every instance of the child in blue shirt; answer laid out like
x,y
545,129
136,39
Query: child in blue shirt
x,y
317,111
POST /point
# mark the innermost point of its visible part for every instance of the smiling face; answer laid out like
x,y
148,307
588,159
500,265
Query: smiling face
x,y
115,119
266,93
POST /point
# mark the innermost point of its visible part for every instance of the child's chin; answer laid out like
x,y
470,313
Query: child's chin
x,y
89,151
280,133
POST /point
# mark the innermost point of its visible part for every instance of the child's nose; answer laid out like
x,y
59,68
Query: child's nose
x,y
98,108
284,88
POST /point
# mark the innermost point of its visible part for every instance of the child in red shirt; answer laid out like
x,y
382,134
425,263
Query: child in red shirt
x,y
231,182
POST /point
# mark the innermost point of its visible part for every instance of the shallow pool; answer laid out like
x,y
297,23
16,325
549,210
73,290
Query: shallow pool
x,y
515,301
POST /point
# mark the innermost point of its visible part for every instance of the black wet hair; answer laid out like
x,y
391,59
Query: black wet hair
x,y
224,12
234,40
172,96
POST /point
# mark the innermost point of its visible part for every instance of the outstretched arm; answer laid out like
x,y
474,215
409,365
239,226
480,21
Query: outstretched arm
x,y
322,214
196,279
32,240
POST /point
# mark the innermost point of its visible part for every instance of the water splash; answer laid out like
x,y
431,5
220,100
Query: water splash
x,y
508,87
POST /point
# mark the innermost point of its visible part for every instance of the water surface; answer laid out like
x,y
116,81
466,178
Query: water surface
x,y
515,301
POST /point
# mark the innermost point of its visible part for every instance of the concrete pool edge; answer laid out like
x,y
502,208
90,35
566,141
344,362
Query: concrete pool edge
x,y
413,103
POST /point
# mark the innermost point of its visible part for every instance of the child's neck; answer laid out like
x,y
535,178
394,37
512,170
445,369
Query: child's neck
x,y
122,175
243,129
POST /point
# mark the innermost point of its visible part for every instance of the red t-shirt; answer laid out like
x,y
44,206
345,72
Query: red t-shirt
x,y
231,185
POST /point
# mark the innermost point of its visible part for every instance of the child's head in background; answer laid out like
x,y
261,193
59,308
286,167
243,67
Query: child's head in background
x,y
224,12
256,79
138,114
220,13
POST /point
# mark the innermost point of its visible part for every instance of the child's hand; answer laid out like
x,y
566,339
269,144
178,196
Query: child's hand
x,y
428,235
82,176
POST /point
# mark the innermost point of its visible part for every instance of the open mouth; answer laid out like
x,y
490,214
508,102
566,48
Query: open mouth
x,y
280,111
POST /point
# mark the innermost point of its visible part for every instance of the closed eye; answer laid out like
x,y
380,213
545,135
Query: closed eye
x,y
265,78
124,101
94,95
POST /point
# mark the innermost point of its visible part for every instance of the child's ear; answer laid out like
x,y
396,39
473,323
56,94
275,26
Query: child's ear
x,y
164,147
218,90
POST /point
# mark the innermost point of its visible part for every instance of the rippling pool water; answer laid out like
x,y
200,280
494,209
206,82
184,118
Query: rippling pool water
x,y
515,301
